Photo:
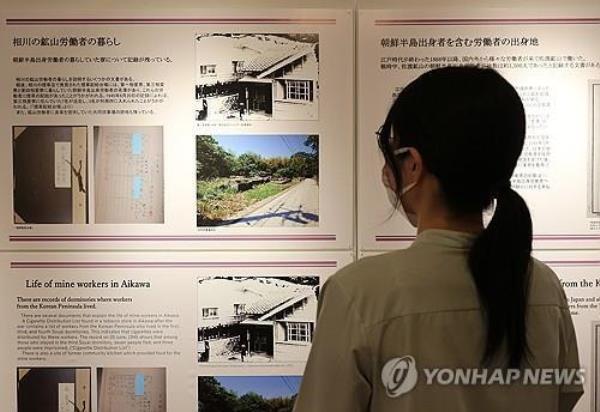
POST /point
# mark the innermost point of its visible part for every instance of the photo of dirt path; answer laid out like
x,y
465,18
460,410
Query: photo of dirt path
x,y
257,180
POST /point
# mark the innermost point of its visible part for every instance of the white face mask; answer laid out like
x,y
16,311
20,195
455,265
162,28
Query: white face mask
x,y
393,197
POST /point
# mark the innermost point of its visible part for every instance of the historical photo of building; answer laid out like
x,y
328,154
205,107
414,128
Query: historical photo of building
x,y
256,319
257,76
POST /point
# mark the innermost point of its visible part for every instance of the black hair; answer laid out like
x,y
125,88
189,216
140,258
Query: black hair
x,y
468,124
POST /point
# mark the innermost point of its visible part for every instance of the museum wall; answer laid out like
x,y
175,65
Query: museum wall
x,y
182,178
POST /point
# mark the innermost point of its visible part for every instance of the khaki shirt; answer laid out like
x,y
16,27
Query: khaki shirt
x,y
422,302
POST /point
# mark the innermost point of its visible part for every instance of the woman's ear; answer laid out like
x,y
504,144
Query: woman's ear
x,y
412,166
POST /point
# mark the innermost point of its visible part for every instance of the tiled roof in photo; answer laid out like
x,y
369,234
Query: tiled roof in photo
x,y
270,57
270,302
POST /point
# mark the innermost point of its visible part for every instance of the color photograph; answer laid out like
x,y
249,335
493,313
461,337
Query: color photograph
x,y
128,174
247,393
132,389
57,389
50,181
257,180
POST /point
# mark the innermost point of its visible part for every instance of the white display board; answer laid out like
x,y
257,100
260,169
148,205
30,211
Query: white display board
x,y
132,137
203,129
136,332
552,60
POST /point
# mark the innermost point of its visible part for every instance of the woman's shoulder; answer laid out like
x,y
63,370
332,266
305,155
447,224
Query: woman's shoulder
x,y
405,272
371,287
375,267
395,273
545,286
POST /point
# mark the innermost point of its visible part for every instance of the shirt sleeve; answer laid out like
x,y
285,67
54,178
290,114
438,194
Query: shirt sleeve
x,y
335,378
569,394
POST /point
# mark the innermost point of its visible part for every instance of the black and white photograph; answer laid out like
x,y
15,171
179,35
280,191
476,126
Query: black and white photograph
x,y
59,389
257,76
247,393
50,183
256,319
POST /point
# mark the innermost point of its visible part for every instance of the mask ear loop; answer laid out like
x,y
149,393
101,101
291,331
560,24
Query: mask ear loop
x,y
410,217
401,150
385,136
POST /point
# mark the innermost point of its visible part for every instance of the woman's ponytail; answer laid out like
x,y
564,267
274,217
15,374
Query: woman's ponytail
x,y
499,260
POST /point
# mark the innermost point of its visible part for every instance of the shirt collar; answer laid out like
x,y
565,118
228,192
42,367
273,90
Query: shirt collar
x,y
444,237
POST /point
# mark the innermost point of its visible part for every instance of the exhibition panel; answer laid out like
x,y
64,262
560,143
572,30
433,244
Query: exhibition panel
x,y
214,129
554,63
129,332
179,184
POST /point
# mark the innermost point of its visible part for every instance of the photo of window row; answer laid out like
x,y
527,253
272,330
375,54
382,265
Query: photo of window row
x,y
254,319
64,389
59,177
257,76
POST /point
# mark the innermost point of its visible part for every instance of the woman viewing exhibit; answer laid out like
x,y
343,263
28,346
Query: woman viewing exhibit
x,y
464,319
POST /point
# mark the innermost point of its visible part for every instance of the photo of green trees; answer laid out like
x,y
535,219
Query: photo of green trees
x,y
257,180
